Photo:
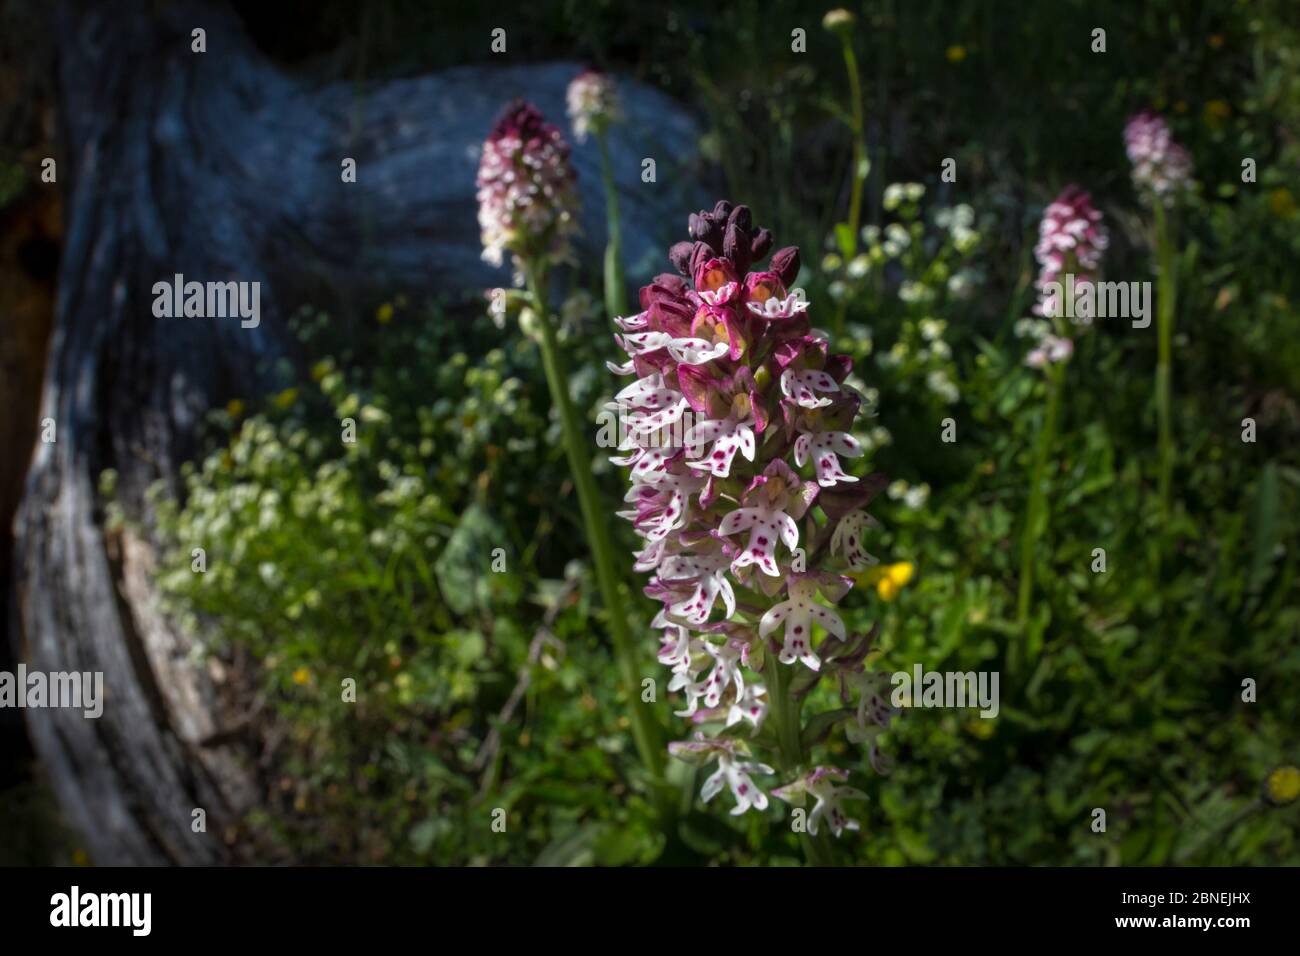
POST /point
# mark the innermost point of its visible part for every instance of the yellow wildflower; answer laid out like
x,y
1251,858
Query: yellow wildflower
x,y
1282,785
956,53
286,398
1281,203
889,579
384,314
1216,111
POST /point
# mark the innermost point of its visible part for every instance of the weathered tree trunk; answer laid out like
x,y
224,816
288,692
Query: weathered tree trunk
x,y
219,166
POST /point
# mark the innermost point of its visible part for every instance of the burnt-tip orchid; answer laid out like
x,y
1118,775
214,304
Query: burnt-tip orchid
x,y
1071,244
1161,167
738,429
592,103
527,203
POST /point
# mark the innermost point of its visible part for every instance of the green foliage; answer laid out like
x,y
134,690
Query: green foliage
x,y
372,560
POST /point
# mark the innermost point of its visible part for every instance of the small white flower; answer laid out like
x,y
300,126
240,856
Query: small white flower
x,y
820,784
732,772
898,234
592,101
916,496
749,706
802,386
964,239
847,539
912,292
766,526
798,613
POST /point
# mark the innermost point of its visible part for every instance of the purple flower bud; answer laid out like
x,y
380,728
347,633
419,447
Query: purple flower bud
x,y
785,263
701,254
680,256
741,218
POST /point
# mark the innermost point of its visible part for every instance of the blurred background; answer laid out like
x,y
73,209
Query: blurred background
x,y
482,691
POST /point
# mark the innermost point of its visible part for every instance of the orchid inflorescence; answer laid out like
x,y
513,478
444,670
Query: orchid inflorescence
x,y
527,201
592,103
738,422
1161,167
1071,240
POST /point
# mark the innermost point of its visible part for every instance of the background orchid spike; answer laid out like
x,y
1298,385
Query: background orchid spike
x,y
750,522
1161,167
1071,242
592,103
527,201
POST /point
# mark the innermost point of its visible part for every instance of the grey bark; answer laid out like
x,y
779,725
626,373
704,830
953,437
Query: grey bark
x,y
220,166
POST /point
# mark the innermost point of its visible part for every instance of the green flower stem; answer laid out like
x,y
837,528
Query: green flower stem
x,y
859,164
615,285
783,712
859,144
644,730
1166,290
1034,520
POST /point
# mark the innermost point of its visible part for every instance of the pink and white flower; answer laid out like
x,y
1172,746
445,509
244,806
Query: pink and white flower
x,y
823,448
527,203
1052,348
592,102
708,573
733,772
727,342
847,540
1161,167
802,385
798,613
1071,239
820,785
766,519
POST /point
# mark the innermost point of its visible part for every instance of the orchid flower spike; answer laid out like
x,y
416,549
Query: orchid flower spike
x,y
738,435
